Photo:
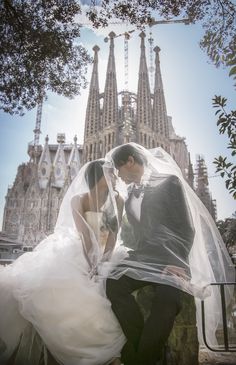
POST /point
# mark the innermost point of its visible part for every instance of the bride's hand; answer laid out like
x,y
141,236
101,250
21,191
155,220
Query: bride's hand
x,y
93,271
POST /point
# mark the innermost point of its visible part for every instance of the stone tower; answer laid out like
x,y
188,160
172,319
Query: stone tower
x,y
101,122
202,186
109,132
140,117
144,120
160,119
93,115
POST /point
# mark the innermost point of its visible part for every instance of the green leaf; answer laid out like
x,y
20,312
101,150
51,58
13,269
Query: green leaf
x,y
227,182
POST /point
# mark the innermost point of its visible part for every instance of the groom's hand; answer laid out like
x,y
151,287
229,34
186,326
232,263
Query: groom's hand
x,y
175,270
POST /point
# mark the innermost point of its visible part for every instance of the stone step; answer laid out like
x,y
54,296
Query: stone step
x,y
216,358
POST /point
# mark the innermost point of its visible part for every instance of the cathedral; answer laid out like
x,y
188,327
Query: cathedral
x,y
112,118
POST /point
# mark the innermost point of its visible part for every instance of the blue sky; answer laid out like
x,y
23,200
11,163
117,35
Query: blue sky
x,y
190,82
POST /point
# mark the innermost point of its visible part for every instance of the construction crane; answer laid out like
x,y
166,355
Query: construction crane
x,y
151,40
126,96
151,65
34,148
127,36
37,129
186,21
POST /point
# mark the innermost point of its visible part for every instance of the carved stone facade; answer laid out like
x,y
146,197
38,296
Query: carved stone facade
x,y
33,202
112,118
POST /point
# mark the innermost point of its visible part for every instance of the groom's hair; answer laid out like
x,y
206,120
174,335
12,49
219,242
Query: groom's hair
x,y
94,172
122,153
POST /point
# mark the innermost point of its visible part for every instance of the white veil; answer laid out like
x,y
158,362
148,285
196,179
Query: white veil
x,y
205,259
87,179
59,267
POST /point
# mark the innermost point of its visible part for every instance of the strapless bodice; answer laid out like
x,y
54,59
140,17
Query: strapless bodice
x,y
95,221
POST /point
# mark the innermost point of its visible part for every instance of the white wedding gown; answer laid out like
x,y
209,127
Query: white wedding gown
x,y
51,288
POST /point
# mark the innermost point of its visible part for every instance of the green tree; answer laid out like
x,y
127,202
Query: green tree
x,y
217,17
39,52
40,49
226,124
227,229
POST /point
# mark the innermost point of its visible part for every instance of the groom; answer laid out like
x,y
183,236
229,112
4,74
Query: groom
x,y
159,217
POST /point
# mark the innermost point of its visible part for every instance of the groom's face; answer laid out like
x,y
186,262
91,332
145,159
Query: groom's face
x,y
130,171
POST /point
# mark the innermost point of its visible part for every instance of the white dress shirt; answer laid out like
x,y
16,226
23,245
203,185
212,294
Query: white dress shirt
x,y
136,202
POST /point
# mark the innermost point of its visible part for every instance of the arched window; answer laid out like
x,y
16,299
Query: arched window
x,y
95,150
145,140
141,138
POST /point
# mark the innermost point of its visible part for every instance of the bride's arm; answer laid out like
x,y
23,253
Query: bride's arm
x,y
111,239
77,207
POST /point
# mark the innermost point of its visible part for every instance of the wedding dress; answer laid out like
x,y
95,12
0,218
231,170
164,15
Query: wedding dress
x,y
52,289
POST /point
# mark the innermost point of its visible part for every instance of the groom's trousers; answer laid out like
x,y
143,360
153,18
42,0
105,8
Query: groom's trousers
x,y
145,340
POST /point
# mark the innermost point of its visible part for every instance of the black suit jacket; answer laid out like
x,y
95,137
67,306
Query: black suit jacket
x,y
165,233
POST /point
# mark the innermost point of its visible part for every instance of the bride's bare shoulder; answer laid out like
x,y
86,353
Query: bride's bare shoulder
x,y
79,201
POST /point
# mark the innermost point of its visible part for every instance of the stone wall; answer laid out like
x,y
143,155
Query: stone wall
x,y
182,347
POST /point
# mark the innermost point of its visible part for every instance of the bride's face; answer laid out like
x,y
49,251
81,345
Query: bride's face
x,y
101,184
113,179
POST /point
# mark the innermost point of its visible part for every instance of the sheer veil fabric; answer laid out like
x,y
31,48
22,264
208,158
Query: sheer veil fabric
x,y
57,287
198,249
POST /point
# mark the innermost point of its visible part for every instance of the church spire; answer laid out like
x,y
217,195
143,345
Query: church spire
x,y
74,160
190,177
160,119
144,107
92,119
59,164
202,189
110,104
44,166
34,149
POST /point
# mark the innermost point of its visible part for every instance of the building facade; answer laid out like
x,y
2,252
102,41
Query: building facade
x,y
33,202
112,118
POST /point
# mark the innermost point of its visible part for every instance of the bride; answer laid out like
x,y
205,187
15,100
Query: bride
x,y
59,287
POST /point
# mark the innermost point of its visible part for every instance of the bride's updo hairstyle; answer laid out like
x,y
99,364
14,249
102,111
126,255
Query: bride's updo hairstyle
x,y
94,172
121,154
